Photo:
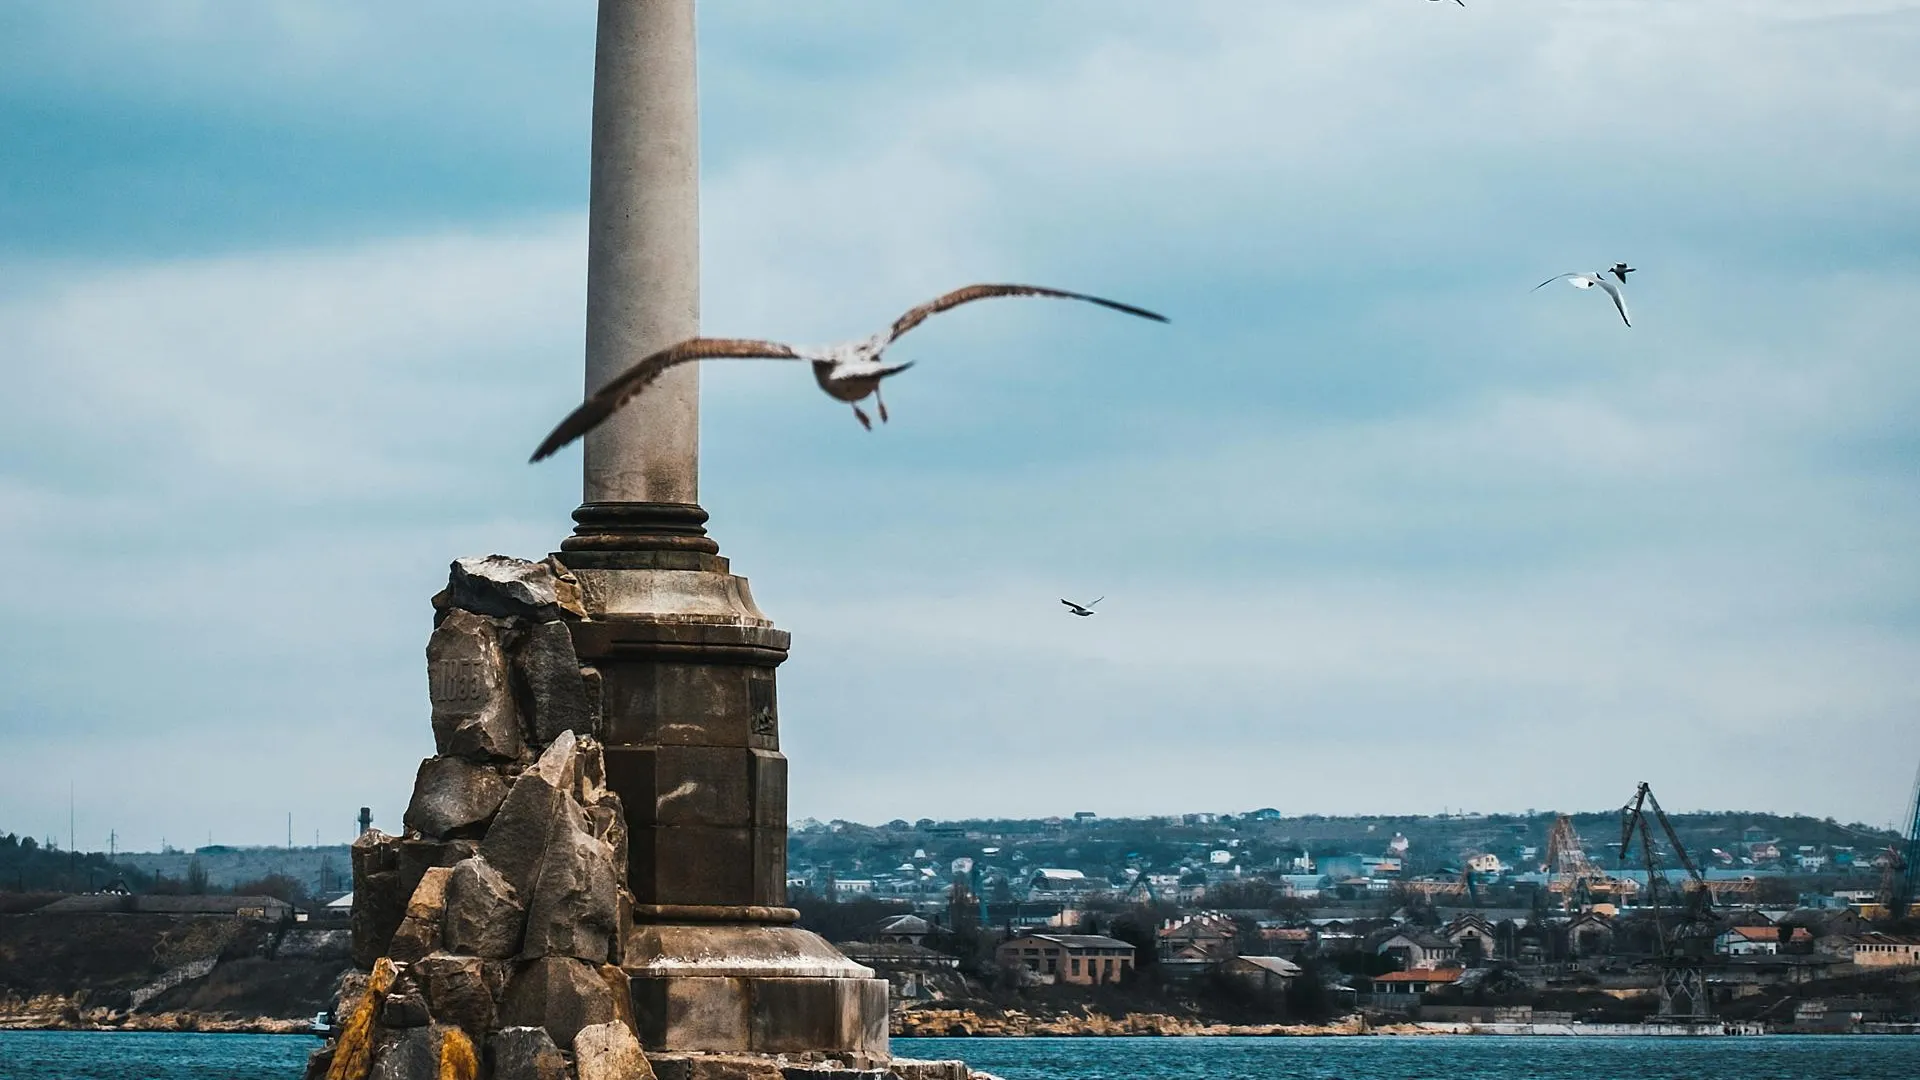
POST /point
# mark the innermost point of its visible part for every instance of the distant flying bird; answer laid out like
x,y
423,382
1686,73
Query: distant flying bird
x,y
1588,281
1620,270
848,371
1082,610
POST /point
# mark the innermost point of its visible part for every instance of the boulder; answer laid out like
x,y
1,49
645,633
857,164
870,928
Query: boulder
x,y
408,1054
450,794
560,994
416,856
436,1052
609,1052
554,694
525,1053
484,915
404,1008
455,990
571,907
420,931
379,895
507,587
537,805
474,715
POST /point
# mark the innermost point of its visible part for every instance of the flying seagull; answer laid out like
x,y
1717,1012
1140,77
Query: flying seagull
x,y
1082,610
848,371
1588,281
1620,270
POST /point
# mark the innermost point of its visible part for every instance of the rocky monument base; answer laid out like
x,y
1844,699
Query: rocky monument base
x,y
500,937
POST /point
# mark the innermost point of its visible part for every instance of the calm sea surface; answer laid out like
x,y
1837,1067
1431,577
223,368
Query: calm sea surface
x,y
37,1055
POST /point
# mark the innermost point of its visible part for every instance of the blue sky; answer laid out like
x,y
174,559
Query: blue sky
x,y
287,292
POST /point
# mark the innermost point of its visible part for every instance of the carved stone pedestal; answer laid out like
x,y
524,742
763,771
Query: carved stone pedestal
x,y
691,727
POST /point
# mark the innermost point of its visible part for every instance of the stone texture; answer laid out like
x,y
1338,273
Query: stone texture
x,y
554,695
379,895
451,794
474,714
416,856
608,824
571,911
354,1047
409,1054
516,843
525,1053
456,991
404,1008
560,994
419,932
715,1067
484,915
507,587
609,1052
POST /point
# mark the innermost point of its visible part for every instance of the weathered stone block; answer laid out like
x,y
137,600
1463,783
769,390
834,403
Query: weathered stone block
x,y
404,1008
571,911
456,991
408,1054
436,1052
668,704
451,794
516,843
609,1052
554,696
474,714
420,931
525,1053
511,588
690,864
484,915
558,993
379,895
684,785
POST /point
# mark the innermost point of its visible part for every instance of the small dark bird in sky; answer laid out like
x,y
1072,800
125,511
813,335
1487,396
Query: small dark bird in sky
x,y
848,371
1620,270
1082,610
1588,281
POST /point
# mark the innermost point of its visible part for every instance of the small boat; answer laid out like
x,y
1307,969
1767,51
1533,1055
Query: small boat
x,y
322,1024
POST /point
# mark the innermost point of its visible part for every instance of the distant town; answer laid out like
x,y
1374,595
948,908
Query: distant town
x,y
1091,924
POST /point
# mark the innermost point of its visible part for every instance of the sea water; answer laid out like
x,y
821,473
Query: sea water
x,y
66,1055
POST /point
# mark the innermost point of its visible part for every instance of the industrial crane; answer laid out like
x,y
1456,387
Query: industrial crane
x,y
1903,869
1684,945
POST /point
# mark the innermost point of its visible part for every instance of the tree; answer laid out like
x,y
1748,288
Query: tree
x,y
196,877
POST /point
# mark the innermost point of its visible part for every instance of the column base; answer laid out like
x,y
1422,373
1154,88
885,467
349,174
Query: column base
x,y
743,988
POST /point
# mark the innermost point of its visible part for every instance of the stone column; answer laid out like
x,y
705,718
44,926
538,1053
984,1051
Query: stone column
x,y
643,250
685,661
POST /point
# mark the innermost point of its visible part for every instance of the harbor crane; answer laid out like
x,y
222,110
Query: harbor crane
x,y
1686,941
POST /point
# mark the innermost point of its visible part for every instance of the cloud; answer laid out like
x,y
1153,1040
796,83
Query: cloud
x,y
1380,529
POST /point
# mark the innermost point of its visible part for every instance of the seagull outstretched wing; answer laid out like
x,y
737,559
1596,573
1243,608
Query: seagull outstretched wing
x,y
1619,301
621,389
1588,281
970,293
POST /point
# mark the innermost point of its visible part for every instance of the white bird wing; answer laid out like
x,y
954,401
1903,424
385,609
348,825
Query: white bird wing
x,y
1095,600
970,293
623,387
1577,280
1619,301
